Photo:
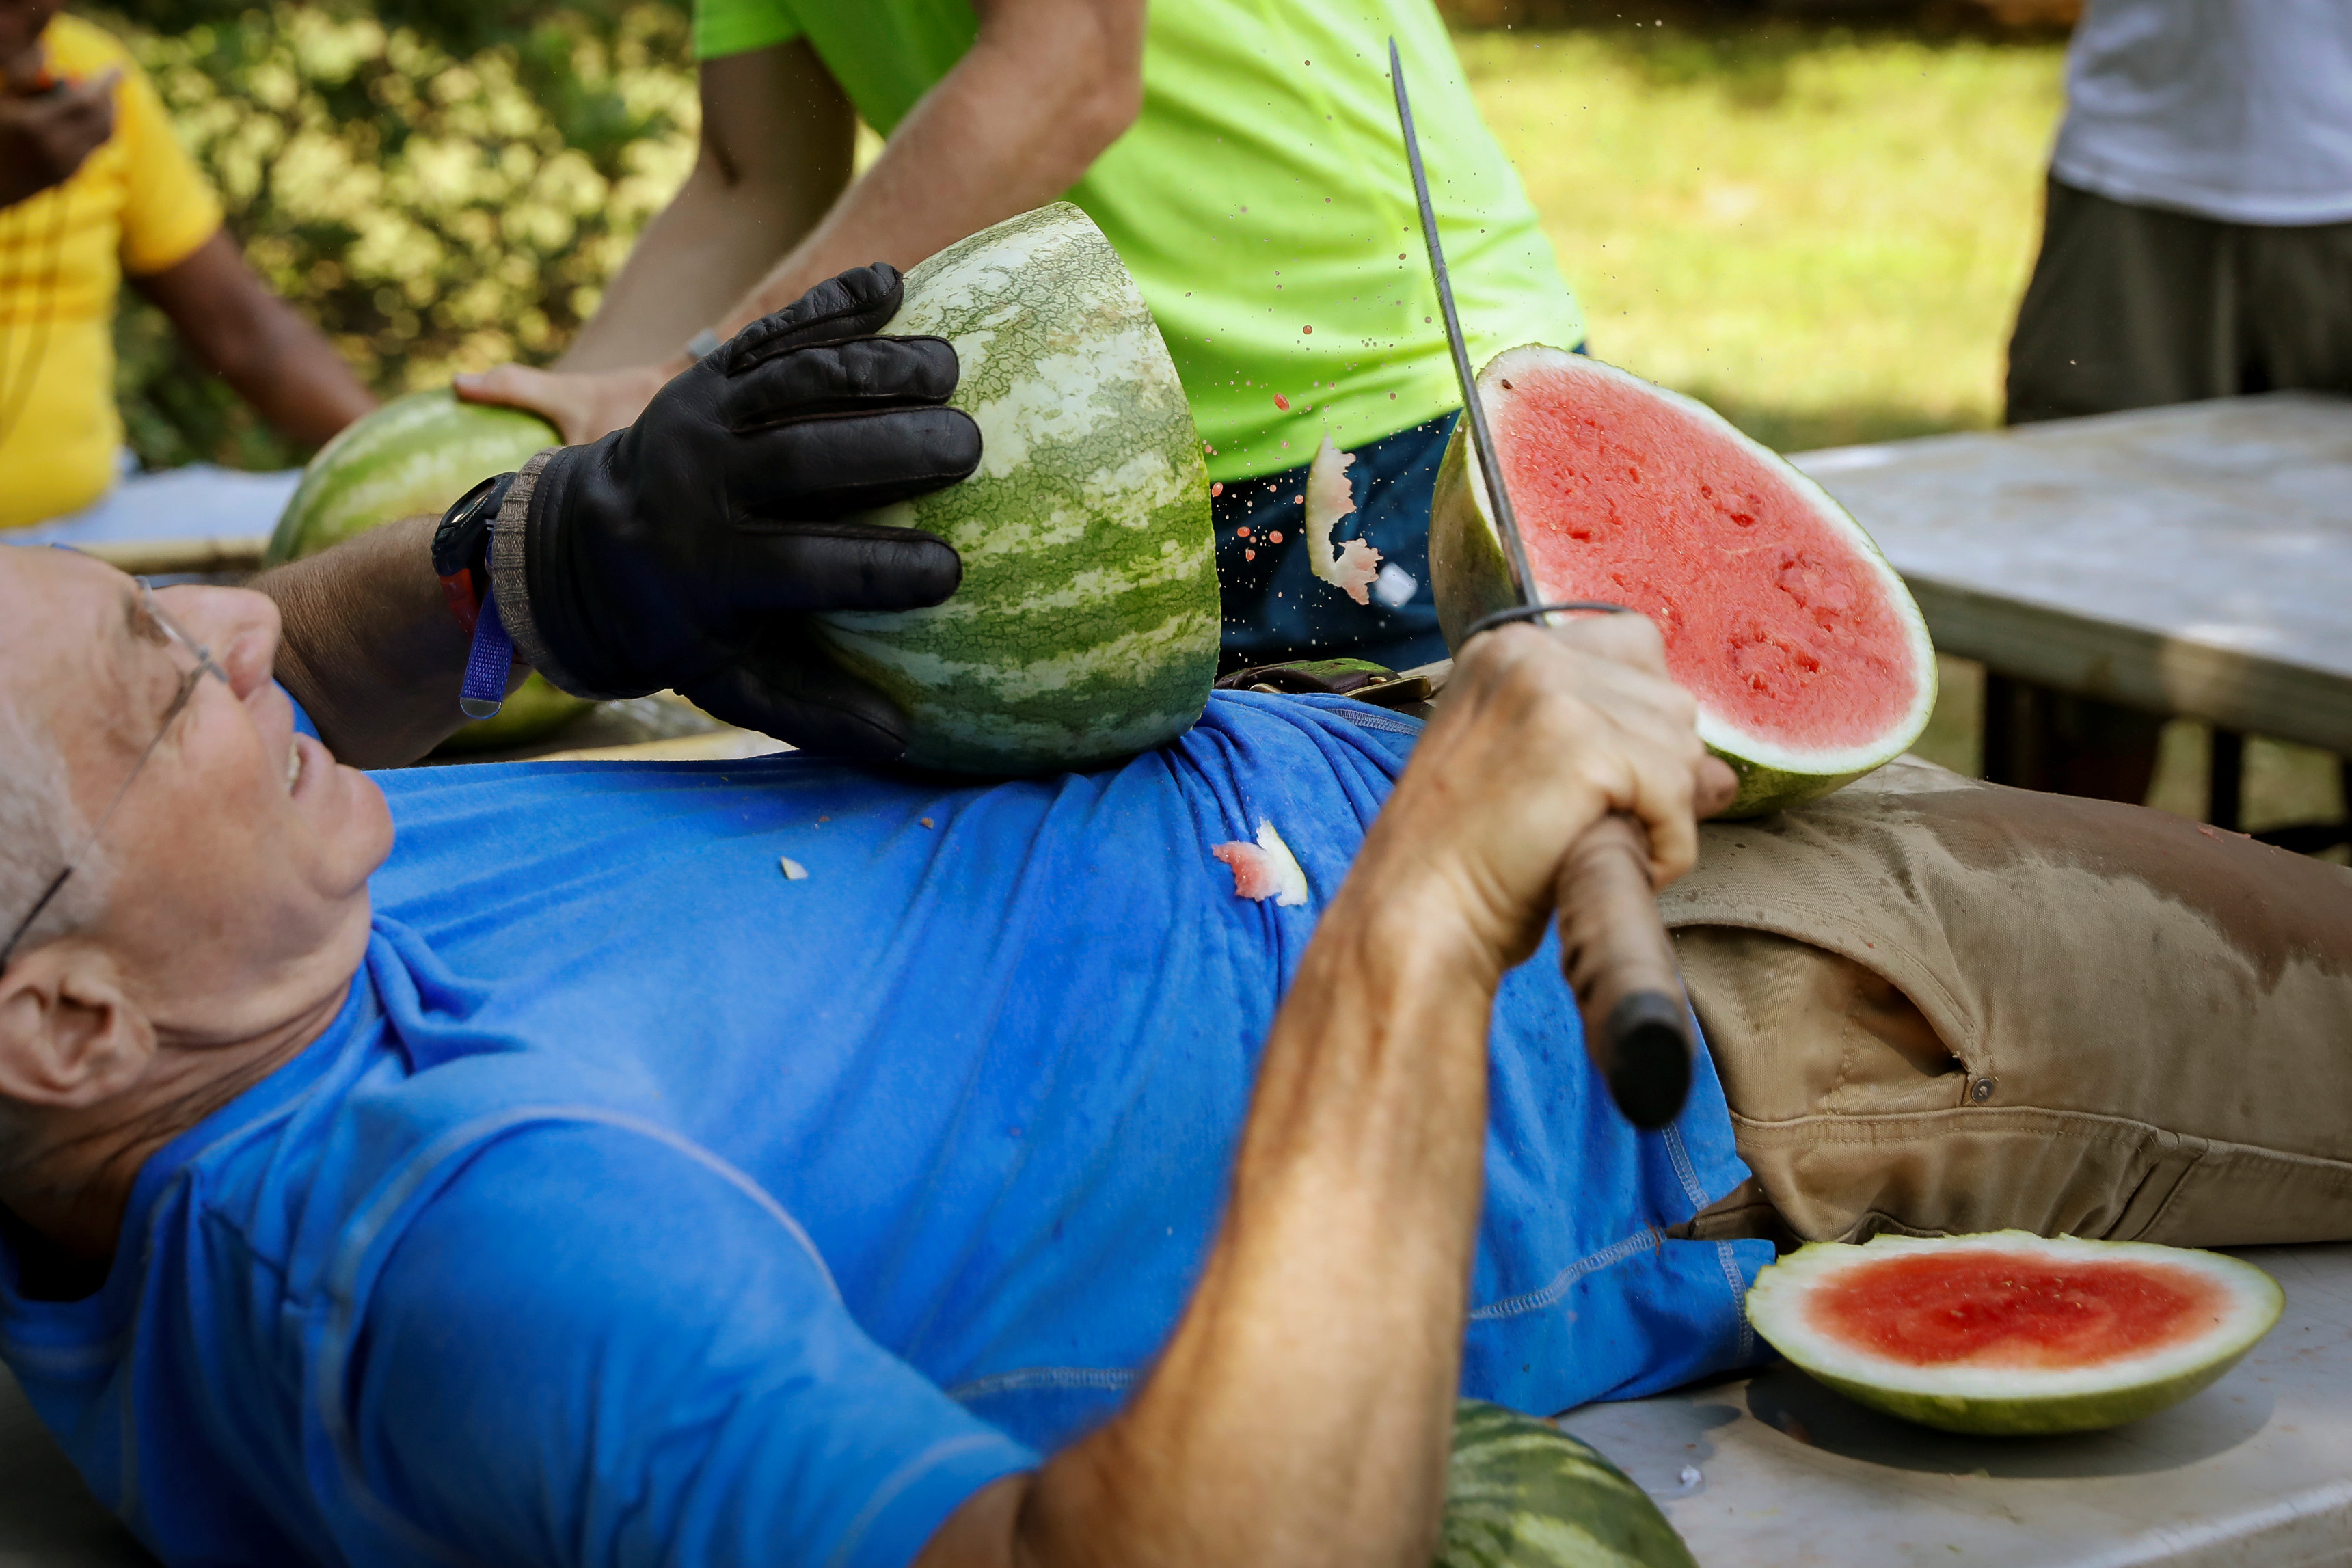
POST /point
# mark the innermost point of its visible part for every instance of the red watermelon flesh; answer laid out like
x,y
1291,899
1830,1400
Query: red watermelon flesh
x,y
1810,662
1768,614
2014,1310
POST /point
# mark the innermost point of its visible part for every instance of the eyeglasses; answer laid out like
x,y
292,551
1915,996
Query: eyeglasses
x,y
194,661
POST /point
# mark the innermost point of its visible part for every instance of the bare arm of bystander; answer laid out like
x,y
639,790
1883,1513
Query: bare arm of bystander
x,y
1046,86
262,346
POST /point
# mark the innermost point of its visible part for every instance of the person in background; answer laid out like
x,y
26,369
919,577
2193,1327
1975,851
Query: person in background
x,y
93,189
1243,159
2197,244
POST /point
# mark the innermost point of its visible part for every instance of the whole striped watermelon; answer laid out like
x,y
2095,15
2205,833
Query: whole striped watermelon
x,y
1521,1493
1086,629
420,453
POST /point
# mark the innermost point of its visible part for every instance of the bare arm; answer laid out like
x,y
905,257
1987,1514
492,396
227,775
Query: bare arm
x,y
1046,86
275,358
1301,1412
371,649
774,155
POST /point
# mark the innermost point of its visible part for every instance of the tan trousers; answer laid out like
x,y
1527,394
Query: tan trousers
x,y
1942,1006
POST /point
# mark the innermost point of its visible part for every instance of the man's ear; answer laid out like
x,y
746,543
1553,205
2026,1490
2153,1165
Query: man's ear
x,y
69,1033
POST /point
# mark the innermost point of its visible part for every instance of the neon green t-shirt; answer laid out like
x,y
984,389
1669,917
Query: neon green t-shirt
x,y
1262,193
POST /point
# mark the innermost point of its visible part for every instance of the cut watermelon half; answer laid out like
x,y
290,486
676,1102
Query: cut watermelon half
x,y
2011,1333
1810,662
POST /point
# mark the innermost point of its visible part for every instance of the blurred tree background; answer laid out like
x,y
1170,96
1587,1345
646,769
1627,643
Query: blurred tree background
x,y
443,185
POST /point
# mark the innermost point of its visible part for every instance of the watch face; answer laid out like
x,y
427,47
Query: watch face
x,y
456,541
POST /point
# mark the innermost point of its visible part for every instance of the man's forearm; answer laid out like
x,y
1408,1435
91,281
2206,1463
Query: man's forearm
x,y
776,141
1300,1414
370,650
259,344
1046,87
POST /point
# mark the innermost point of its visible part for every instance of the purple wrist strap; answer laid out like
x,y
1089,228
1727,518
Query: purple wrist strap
x,y
488,663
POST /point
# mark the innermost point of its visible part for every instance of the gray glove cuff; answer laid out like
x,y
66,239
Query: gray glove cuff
x,y
510,585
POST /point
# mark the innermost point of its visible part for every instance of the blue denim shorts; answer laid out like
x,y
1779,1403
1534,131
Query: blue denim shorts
x,y
1276,608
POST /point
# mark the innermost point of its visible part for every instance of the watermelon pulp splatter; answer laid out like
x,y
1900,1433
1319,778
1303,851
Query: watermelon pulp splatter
x,y
2014,1310
1810,662
2010,1332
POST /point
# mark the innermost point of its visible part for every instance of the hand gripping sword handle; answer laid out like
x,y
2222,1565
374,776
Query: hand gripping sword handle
x,y
1619,961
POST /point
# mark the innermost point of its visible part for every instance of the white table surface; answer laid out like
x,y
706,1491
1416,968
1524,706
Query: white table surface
x,y
2195,559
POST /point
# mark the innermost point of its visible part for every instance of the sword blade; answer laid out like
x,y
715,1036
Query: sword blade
x,y
1482,440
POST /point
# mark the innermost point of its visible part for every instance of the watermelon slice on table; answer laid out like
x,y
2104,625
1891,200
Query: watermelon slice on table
x,y
2009,1333
1810,662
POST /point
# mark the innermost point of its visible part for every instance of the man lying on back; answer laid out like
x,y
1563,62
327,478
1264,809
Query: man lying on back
x,y
582,1184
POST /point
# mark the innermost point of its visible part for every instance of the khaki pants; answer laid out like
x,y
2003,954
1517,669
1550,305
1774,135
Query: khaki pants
x,y
1942,1006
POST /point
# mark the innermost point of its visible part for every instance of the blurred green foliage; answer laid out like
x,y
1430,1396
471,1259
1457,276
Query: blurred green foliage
x,y
441,185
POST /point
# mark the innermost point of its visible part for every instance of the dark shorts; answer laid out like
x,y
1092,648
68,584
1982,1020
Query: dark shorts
x,y
2135,307
1276,608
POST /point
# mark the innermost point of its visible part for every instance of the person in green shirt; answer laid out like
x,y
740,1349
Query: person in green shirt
x,y
1242,155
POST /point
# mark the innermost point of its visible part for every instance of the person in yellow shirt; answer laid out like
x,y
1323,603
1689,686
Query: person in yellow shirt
x,y
93,189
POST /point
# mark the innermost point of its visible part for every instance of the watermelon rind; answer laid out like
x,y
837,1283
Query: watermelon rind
x,y
2003,1401
1085,627
1521,1493
1471,577
419,454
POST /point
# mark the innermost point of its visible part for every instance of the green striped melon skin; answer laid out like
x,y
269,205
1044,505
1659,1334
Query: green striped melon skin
x,y
1085,627
419,454
1999,1401
1521,1493
1471,577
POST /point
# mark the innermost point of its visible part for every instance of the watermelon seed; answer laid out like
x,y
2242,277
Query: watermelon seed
x,y
1507,386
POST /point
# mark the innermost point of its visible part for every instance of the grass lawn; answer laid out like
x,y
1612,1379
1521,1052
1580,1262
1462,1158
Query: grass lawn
x,y
1823,233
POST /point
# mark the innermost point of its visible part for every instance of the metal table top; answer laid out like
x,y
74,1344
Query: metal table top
x,y
2192,560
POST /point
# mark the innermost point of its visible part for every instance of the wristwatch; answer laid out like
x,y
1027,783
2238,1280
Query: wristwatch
x,y
460,559
461,547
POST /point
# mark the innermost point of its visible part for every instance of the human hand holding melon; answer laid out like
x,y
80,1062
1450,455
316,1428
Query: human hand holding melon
x,y
684,550
582,404
1541,733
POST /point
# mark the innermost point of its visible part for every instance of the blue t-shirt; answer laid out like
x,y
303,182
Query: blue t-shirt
x,y
646,1204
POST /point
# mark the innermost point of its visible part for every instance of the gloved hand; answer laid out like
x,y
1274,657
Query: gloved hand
x,y
680,552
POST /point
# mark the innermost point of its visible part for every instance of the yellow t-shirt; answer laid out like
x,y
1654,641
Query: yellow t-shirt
x,y
136,205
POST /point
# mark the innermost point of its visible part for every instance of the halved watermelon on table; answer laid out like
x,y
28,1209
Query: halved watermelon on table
x,y
2011,1333
1810,664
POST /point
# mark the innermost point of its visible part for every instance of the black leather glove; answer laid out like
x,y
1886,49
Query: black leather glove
x,y
680,552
